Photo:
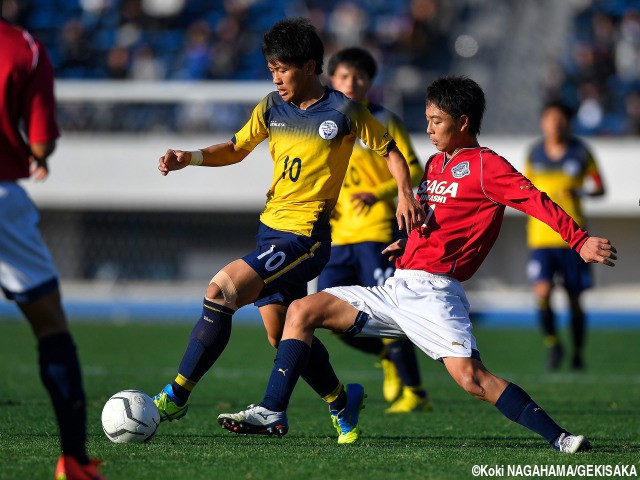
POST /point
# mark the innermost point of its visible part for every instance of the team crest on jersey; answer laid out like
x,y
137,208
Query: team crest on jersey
x,y
461,170
328,129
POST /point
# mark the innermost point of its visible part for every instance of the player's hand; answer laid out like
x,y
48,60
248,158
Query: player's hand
x,y
409,213
173,160
362,201
598,250
396,249
38,169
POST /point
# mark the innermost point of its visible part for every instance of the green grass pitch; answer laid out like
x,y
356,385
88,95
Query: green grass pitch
x,y
602,403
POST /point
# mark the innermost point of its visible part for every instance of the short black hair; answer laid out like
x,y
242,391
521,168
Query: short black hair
x,y
559,105
293,41
457,96
355,57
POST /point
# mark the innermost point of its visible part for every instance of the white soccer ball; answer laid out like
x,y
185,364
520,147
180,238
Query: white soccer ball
x,y
130,416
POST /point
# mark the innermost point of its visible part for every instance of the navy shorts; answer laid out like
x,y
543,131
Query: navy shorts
x,y
356,264
286,262
547,263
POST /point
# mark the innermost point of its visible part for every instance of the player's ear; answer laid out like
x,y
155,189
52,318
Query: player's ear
x,y
310,67
464,123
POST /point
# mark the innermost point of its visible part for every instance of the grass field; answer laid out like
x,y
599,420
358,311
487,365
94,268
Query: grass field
x,y
461,432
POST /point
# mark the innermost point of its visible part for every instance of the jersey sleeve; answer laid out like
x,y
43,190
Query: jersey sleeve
x,y
39,103
371,131
389,189
255,130
502,183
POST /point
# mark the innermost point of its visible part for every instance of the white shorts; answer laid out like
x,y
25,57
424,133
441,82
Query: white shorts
x,y
26,267
430,310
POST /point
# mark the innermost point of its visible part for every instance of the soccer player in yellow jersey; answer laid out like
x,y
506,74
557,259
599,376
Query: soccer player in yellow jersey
x,y
562,166
362,225
311,131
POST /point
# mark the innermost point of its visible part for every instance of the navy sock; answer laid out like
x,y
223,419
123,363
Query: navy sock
x,y
403,356
208,340
61,376
319,373
291,359
517,405
364,344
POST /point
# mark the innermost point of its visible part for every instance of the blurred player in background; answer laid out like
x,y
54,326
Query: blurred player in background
x,y
311,131
362,225
562,166
28,133
424,299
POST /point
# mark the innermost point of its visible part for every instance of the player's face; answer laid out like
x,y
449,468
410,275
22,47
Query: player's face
x,y
445,132
352,82
291,81
554,124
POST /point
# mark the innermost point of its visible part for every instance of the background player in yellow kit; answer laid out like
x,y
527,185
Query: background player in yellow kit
x,y
362,225
562,166
311,131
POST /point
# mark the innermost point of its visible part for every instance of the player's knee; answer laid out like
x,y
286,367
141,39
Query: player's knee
x,y
300,315
274,341
223,290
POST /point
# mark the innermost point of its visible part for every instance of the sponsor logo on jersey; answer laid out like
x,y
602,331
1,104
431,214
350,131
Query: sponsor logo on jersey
x,y
273,123
461,170
328,129
437,192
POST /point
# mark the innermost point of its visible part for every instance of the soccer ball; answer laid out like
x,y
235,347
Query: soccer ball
x,y
130,416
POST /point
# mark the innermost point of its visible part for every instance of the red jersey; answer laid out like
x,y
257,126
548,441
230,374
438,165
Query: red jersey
x,y
26,100
464,199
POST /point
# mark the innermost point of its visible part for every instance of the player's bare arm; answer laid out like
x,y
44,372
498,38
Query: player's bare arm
x,y
409,213
598,250
218,155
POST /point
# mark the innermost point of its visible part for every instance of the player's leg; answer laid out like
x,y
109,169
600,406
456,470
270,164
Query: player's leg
x,y
29,277
236,285
512,401
413,397
577,279
343,268
541,269
320,310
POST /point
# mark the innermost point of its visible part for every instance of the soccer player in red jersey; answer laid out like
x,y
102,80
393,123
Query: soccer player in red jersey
x,y
464,191
27,273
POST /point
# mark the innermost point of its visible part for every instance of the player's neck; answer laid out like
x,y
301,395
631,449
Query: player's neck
x,y
555,148
311,96
470,144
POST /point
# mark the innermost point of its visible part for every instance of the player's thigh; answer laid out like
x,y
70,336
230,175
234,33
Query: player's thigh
x,y
321,310
340,269
373,267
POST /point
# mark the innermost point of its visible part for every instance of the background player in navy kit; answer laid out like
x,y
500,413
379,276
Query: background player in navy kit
x,y
424,299
311,131
562,166
362,225
27,273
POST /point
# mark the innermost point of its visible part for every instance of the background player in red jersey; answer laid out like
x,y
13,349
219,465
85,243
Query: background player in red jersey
x,y
464,191
564,167
27,273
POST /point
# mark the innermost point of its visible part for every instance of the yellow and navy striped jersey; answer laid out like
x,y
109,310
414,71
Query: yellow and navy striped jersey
x,y
310,151
559,179
368,172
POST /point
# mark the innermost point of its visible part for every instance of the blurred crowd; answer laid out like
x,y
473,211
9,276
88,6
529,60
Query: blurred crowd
x,y
599,76
220,39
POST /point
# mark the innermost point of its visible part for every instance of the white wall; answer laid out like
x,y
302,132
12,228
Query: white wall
x,y
120,172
